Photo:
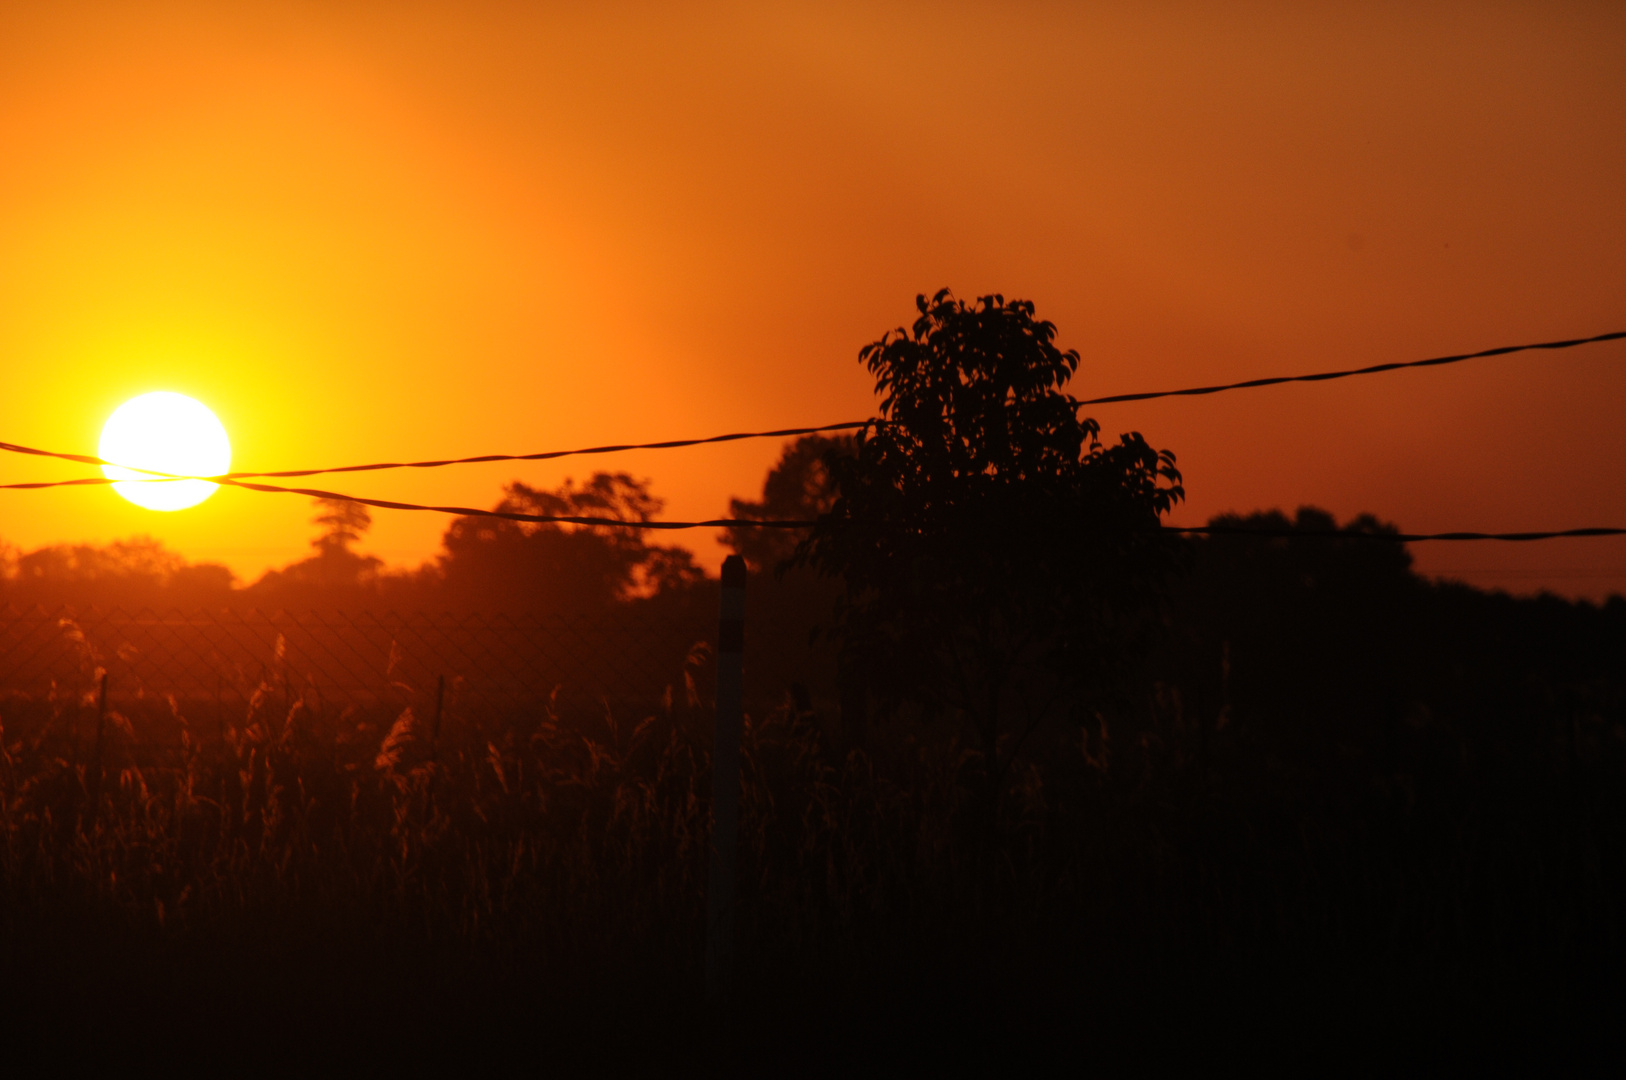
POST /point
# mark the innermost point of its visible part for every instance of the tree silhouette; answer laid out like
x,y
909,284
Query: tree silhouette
x,y
996,558
505,565
137,572
790,651
798,487
345,522
1309,640
336,576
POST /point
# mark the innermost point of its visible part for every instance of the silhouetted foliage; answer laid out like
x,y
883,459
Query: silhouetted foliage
x,y
1305,624
799,487
795,602
1306,790
496,565
345,522
486,565
1329,657
1336,802
997,557
334,577
138,572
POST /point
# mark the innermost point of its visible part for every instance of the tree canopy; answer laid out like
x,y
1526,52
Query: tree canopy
x,y
989,543
507,565
137,572
799,487
336,575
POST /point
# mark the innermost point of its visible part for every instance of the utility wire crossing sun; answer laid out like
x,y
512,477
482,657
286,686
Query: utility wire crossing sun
x,y
166,433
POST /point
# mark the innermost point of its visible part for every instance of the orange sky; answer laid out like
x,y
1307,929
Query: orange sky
x,y
412,230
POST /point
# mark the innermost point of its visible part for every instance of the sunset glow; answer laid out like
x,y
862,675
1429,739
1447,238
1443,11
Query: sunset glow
x,y
577,227
168,433
776,537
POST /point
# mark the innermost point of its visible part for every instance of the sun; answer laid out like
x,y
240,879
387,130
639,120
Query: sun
x,y
168,433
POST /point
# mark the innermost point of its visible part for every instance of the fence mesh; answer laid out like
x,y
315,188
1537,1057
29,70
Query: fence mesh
x,y
203,661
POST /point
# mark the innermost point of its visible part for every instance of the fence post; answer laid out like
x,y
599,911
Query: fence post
x,y
434,725
725,777
96,747
434,743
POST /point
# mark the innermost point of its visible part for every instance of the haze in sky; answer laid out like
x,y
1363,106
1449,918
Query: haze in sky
x,y
368,232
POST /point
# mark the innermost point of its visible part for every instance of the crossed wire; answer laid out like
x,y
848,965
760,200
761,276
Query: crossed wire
x,y
242,479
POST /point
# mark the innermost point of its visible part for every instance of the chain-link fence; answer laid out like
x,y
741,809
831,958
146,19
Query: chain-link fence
x,y
204,662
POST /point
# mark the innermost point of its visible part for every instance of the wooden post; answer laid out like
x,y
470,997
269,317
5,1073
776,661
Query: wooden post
x,y
96,750
434,726
434,743
725,777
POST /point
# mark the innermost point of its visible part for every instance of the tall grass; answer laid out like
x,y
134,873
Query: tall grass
x,y
547,857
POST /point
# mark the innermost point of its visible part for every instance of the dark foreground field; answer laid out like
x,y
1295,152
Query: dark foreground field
x,y
298,890
1333,814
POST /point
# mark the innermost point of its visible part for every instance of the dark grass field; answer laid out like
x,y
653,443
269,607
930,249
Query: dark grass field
x,y
294,890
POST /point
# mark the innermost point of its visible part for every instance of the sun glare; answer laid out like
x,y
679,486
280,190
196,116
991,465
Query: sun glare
x,y
168,433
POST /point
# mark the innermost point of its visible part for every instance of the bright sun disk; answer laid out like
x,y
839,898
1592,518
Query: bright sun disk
x,y
168,433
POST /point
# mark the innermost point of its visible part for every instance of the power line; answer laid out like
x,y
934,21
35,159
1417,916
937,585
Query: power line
x,y
240,479
547,519
1397,537
717,523
1211,530
671,444
850,425
387,504
65,483
1324,376
1565,572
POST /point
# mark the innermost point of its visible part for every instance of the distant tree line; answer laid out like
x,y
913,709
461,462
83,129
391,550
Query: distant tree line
x,y
985,567
485,564
996,712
